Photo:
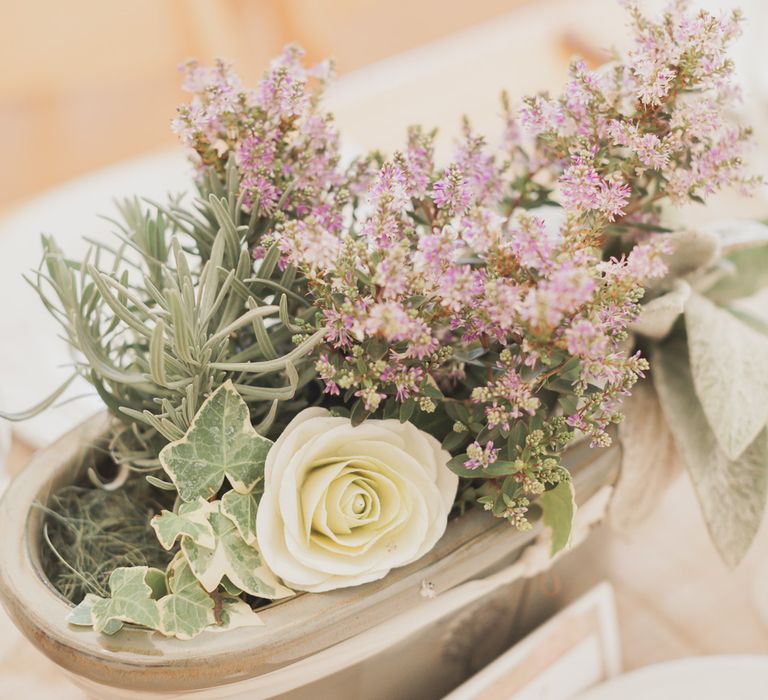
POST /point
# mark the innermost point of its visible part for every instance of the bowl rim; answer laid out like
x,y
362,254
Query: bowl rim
x,y
474,544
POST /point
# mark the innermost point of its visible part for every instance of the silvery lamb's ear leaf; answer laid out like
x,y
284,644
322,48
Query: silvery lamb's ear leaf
x,y
731,493
234,558
187,610
558,508
191,521
133,599
221,442
692,250
659,315
240,508
747,272
729,363
745,246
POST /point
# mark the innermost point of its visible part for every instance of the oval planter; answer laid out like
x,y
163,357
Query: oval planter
x,y
289,654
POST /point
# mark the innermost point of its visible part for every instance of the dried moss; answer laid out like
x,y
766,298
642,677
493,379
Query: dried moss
x,y
88,532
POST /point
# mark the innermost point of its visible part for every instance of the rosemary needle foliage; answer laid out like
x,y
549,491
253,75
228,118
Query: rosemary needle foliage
x,y
174,309
90,532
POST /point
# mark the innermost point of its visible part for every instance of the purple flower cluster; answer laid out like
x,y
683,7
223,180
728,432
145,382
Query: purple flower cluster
x,y
494,292
286,149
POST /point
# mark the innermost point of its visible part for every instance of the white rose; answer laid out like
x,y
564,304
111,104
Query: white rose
x,y
342,505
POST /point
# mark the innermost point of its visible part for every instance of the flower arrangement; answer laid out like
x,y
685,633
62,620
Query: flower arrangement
x,y
312,365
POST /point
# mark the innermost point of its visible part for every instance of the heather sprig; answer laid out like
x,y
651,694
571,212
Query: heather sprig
x,y
458,293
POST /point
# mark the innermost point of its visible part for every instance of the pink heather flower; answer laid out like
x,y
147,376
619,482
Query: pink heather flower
x,y
540,115
390,189
481,457
646,260
339,328
371,398
460,286
481,229
697,118
406,380
612,198
307,244
259,191
529,242
585,339
580,185
479,169
435,251
394,323
326,371
282,91
583,189
419,162
651,151
563,293
452,191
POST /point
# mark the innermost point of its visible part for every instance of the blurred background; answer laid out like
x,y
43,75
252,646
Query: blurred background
x,y
88,85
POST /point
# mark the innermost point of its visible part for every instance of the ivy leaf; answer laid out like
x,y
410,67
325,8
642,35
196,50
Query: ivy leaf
x,y
731,492
133,599
729,364
187,610
234,558
191,521
240,508
221,442
237,613
82,615
558,508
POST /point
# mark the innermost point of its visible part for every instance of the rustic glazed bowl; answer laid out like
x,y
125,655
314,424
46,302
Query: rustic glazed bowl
x,y
277,658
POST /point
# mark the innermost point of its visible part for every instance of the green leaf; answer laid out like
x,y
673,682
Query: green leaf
x,y
499,468
187,610
81,615
454,440
237,613
191,521
747,273
133,599
241,509
558,508
729,364
731,492
658,316
516,440
221,442
234,558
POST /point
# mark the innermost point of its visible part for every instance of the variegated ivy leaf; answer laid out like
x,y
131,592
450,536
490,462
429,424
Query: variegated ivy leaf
x,y
731,492
237,613
729,362
191,521
81,615
187,610
234,558
221,443
558,508
134,592
240,508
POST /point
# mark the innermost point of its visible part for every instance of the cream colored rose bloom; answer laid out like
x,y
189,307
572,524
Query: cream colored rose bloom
x,y
342,505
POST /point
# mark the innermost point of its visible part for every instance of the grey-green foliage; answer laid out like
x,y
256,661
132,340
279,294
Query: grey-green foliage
x,y
220,444
710,368
174,309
